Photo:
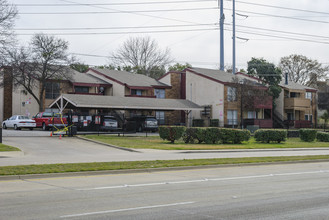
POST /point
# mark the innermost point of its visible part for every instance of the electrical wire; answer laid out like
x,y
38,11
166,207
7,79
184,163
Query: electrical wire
x,y
111,28
116,12
121,3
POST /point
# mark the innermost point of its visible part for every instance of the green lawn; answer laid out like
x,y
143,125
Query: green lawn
x,y
80,167
157,143
4,147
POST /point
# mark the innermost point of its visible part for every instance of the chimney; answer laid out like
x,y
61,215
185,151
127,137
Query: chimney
x,y
286,78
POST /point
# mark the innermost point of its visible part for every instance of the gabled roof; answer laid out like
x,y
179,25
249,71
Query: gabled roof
x,y
293,85
83,78
128,79
115,102
218,75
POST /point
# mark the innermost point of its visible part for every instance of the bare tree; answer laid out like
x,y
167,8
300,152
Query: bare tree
x,y
8,13
142,55
45,60
303,70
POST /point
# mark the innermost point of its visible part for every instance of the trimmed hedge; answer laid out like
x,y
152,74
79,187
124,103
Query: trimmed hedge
x,y
171,133
215,135
268,135
307,135
322,136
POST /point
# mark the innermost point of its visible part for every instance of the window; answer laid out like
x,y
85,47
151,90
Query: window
x,y
160,93
252,115
308,117
81,89
136,92
232,117
160,116
308,95
52,90
231,94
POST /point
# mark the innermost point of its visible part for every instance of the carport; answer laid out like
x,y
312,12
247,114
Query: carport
x,y
99,102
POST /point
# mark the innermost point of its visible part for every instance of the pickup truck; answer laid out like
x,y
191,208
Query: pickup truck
x,y
46,120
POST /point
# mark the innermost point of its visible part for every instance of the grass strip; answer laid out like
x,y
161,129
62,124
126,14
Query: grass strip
x,y
4,147
101,166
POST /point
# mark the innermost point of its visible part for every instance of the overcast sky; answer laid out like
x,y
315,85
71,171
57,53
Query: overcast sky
x,y
189,28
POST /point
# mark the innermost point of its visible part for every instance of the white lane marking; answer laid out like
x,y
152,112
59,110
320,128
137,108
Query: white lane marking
x,y
205,180
127,209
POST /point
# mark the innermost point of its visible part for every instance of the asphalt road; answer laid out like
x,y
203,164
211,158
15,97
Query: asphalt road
x,y
294,191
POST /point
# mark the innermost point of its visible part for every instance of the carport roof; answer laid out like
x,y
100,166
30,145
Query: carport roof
x,y
115,102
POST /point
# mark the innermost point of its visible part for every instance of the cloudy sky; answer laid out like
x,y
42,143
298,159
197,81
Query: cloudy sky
x,y
189,28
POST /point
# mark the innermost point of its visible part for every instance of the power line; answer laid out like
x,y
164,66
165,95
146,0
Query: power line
x,y
281,16
280,7
128,32
108,28
115,12
280,31
121,3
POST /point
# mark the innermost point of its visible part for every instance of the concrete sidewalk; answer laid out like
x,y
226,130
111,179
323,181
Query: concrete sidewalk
x,y
50,150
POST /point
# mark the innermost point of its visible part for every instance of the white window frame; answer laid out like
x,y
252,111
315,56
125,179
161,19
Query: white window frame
x,y
232,117
308,95
231,94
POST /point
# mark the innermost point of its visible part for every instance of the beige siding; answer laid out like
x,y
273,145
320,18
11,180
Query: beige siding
x,y
280,104
30,106
203,91
117,89
166,79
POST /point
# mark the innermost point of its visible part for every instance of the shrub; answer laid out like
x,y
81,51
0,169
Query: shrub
x,y
171,133
212,135
308,135
322,136
189,135
234,136
268,135
198,122
200,135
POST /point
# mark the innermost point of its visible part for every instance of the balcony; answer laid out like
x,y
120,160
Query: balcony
x,y
263,103
296,103
262,123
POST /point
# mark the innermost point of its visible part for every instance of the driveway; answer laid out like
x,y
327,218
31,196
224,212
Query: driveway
x,y
48,150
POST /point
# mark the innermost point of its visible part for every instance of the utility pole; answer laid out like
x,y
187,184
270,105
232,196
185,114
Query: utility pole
x,y
233,37
221,28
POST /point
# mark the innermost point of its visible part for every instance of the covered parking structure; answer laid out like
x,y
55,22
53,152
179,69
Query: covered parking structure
x,y
98,102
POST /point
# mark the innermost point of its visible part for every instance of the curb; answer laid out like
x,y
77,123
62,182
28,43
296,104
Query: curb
x,y
108,145
147,170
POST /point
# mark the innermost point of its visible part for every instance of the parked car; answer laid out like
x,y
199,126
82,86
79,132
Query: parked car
x,y
110,123
145,123
46,120
19,121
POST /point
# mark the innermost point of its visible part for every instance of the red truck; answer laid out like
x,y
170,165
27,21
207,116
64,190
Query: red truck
x,y
46,120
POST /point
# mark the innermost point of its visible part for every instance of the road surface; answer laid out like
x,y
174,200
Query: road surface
x,y
294,191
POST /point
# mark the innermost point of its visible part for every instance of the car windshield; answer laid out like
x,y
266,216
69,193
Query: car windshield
x,y
151,119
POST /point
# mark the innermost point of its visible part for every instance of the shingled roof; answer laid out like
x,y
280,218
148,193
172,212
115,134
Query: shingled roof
x,y
129,79
115,102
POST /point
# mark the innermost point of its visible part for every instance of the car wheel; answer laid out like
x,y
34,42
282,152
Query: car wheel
x,y
44,127
31,129
15,127
4,126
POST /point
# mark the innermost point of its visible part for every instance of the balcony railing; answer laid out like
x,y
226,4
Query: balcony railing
x,y
262,123
297,103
